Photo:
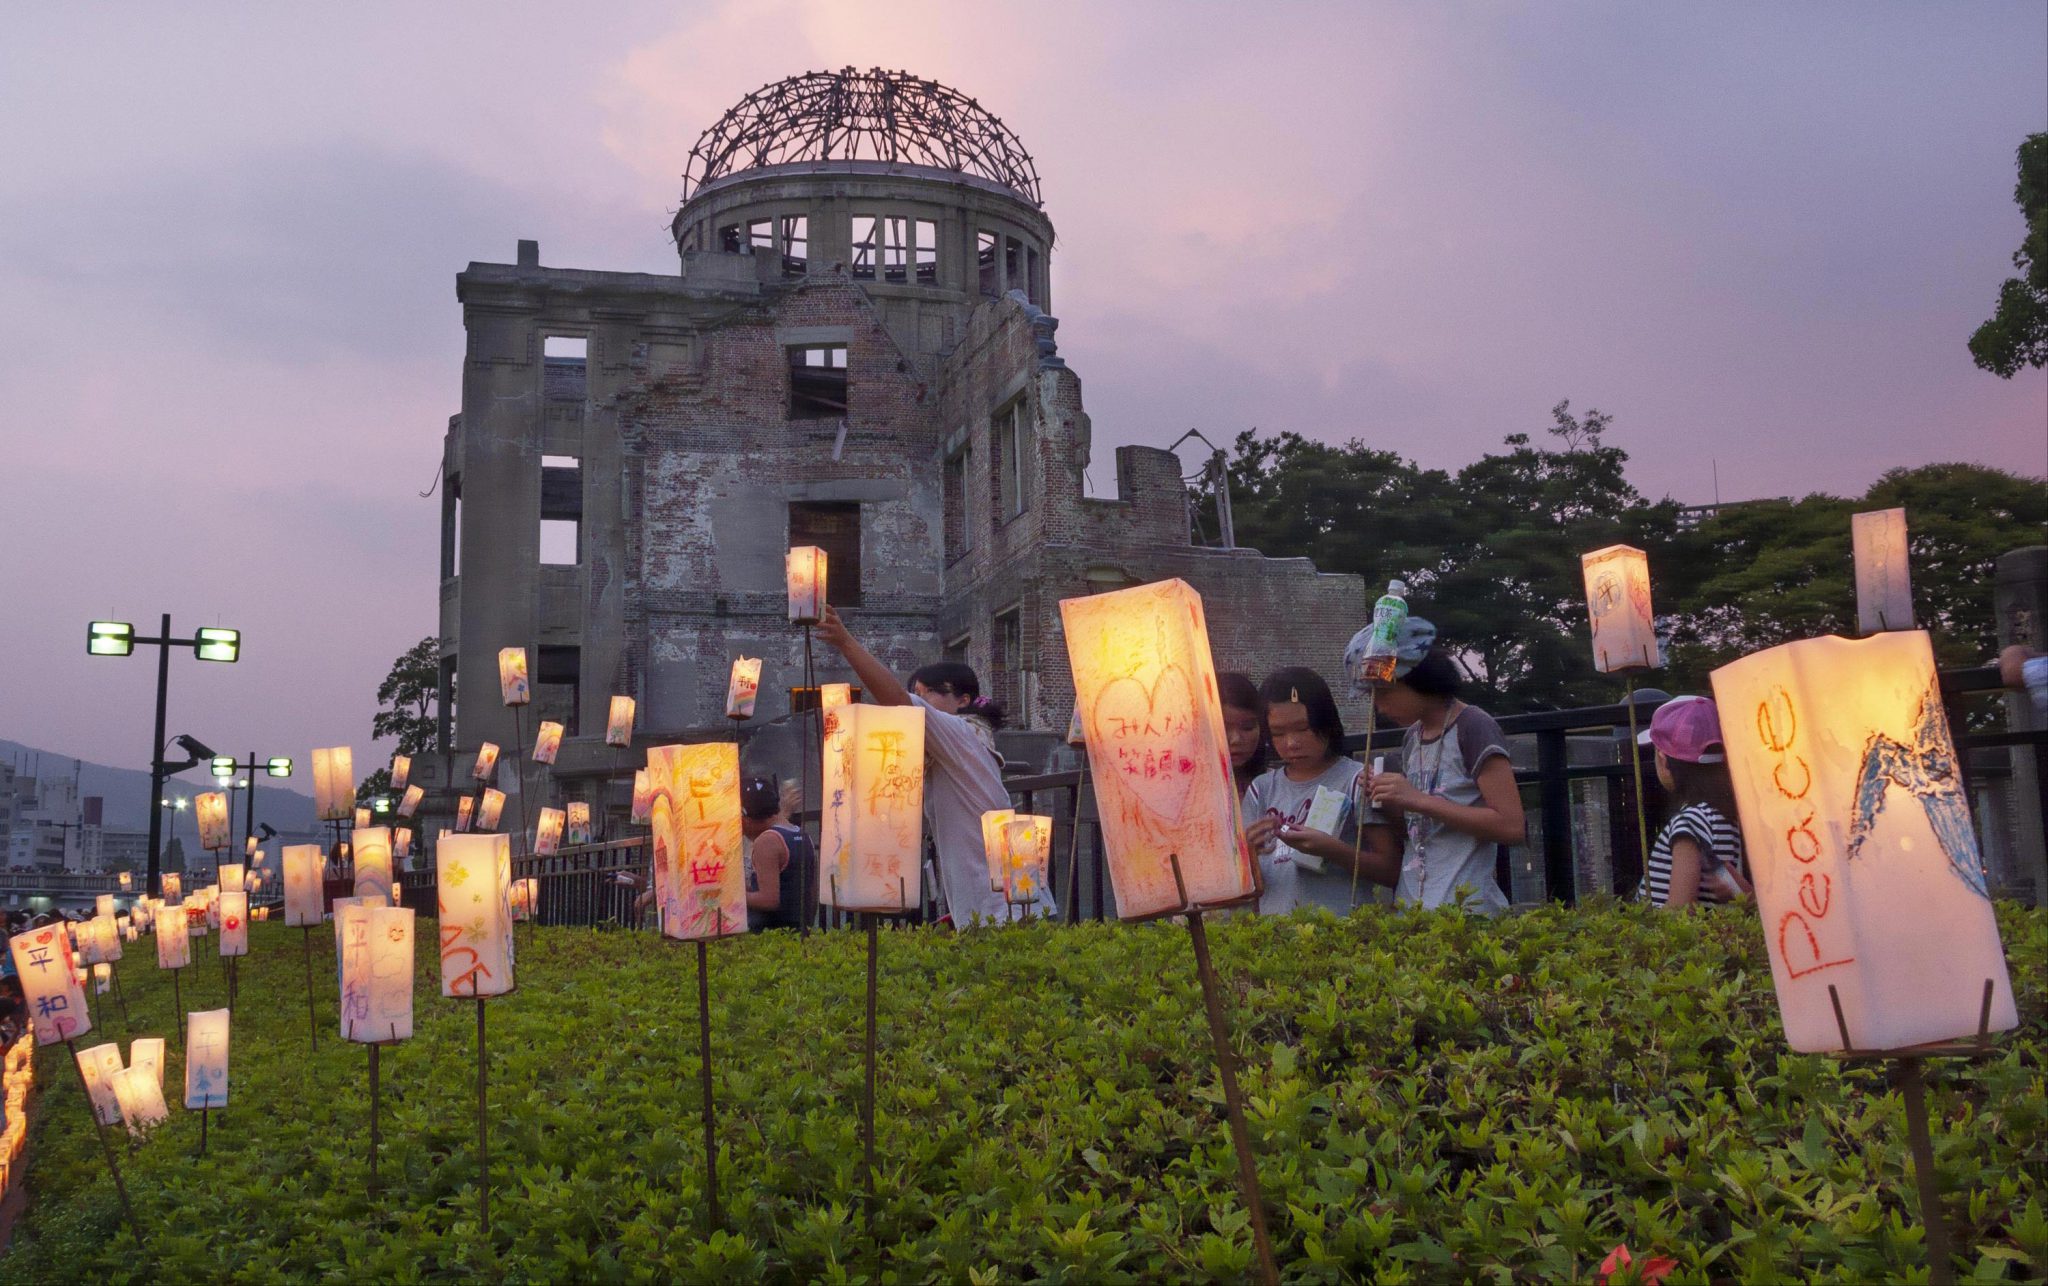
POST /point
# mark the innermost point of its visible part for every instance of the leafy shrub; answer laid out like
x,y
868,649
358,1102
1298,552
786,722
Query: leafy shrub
x,y
1431,1098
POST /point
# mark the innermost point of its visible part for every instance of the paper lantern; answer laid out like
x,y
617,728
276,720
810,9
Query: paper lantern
x,y
742,688
102,978
210,811
409,803
465,807
376,972
578,831
101,1065
140,1097
49,983
303,899
525,898
643,797
234,924
82,974
1884,582
401,842
547,833
1858,832
492,808
106,939
249,847
103,904
833,695
401,771
334,783
806,585
173,886
1618,601
1027,852
127,881
873,823
206,1058
548,742
475,891
362,819
1157,753
146,1055
1075,735
512,682
992,841
618,725
700,883
233,877
486,761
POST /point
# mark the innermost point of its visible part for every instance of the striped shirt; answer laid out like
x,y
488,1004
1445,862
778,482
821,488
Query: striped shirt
x,y
1720,845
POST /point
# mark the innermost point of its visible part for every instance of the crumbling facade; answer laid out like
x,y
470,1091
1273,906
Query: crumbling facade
x,y
858,352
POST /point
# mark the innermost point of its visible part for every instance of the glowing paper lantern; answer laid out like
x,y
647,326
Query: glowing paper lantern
x,y
1884,582
126,881
1157,753
699,874
833,695
206,1058
475,888
401,842
210,810
1027,852
373,863
643,797
302,892
362,818
103,904
102,978
548,742
376,972
410,802
525,898
806,585
873,828
1858,831
547,833
464,808
401,771
1618,601
146,1054
101,1065
491,809
578,822
110,937
334,783
743,687
49,983
233,877
618,725
139,1093
173,885
486,761
992,841
234,924
512,682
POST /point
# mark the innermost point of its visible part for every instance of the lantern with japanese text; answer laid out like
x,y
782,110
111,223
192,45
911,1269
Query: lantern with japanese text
x,y
139,1092
173,942
376,972
699,876
410,802
100,1065
992,840
578,822
643,797
1884,581
1618,601
618,724
234,924
513,685
1858,831
465,809
1027,852
475,891
547,832
743,687
302,892
548,742
486,761
491,809
233,877
210,811
873,823
806,567
1146,685
334,783
373,863
401,771
206,1058
49,983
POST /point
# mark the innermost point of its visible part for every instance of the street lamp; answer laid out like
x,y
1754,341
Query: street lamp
x,y
226,766
118,638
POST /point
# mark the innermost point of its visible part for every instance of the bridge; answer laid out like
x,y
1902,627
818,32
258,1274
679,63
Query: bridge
x,y
68,889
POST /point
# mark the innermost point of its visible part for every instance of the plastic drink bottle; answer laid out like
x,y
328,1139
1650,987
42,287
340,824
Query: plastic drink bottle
x,y
1382,645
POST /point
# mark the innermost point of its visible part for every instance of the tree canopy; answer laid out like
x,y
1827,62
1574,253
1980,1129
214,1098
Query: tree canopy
x,y
407,699
2017,334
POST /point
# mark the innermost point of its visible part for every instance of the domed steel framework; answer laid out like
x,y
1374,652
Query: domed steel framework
x,y
874,115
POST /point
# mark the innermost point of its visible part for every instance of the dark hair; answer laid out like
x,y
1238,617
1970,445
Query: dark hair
x,y
1435,675
1707,784
1236,689
957,679
760,798
1299,684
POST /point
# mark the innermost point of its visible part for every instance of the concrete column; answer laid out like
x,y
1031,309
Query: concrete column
x,y
2020,600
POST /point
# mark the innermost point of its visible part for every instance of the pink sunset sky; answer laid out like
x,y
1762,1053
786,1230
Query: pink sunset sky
x,y
1759,235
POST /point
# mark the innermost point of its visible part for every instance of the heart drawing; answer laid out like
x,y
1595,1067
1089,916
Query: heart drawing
x,y
1150,735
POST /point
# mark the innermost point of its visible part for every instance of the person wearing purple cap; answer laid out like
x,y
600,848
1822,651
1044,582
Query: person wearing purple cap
x,y
1698,854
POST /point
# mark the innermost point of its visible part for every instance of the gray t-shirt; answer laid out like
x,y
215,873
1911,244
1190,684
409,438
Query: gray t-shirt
x,y
1435,859
964,779
1289,877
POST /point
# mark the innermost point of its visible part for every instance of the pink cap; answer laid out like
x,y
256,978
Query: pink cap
x,y
1687,729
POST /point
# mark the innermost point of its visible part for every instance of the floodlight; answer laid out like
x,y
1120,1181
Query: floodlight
x,y
109,638
215,643
194,747
280,766
223,766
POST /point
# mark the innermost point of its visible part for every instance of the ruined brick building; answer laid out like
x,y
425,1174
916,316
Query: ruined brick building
x,y
858,352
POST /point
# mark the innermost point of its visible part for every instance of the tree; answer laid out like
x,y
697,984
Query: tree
x,y
408,699
2017,334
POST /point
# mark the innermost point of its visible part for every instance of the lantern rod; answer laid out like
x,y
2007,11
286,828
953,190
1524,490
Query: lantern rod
x,y
518,767
374,1047
114,972
113,1166
704,1077
1074,846
1635,758
810,892
483,1138
1372,710
867,1102
178,1010
312,1023
1907,1078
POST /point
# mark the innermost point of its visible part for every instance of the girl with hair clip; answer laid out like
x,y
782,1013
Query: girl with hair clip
x,y
1455,799
1305,864
963,772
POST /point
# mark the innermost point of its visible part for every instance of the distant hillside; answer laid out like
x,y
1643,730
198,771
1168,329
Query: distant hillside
x,y
126,791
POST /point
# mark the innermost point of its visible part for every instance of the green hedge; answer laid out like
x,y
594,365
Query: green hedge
x,y
1432,1098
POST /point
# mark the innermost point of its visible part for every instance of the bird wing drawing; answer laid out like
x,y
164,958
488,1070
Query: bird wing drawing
x,y
1925,767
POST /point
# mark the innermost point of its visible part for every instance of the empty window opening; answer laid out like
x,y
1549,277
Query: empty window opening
x,y
1012,434
561,511
833,526
1006,657
926,251
866,231
558,685
729,239
1033,291
1013,264
895,249
955,649
817,381
451,527
566,347
985,263
959,532
761,235
559,540
796,244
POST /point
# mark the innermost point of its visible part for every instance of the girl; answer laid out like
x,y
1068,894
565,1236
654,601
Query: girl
x,y
963,772
1698,855
777,857
1244,726
1455,798
1302,865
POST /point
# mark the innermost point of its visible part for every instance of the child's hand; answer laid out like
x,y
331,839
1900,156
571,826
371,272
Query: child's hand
x,y
1393,791
1260,833
832,631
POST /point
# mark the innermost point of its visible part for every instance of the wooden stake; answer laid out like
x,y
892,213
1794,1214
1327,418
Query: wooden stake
x,y
704,1078
867,1102
373,1115
312,1022
1635,759
113,1166
483,1138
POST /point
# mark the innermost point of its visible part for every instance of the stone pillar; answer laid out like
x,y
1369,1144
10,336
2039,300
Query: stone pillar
x,y
2020,599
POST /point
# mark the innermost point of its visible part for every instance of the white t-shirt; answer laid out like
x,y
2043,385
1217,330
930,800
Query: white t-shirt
x,y
964,779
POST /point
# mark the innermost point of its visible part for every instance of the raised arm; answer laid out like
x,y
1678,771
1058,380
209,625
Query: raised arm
x,y
881,682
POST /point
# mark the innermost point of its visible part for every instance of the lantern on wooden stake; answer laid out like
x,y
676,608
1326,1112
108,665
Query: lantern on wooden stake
x,y
1884,580
699,877
512,681
139,1093
102,978
373,863
100,1065
525,898
618,725
103,904
475,879
376,972
302,892
547,833
578,822
234,877
210,811
743,687
334,783
806,569
410,802
1858,831
361,818
401,842
401,771
234,924
173,941
465,808
206,1059
127,881
833,695
492,808
873,824
486,761
643,797
1618,602
173,886
992,840
548,742
1027,852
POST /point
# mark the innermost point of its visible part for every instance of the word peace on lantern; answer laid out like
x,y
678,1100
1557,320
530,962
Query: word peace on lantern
x,y
512,681
376,972
49,983
699,875
303,865
210,810
1153,727
373,863
743,687
474,874
873,826
1618,601
806,585
618,724
334,783
1884,580
1858,830
547,743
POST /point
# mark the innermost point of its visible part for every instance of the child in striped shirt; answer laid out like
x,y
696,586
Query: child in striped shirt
x,y
1698,855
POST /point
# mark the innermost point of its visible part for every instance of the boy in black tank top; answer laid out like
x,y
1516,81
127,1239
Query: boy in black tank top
x,y
779,858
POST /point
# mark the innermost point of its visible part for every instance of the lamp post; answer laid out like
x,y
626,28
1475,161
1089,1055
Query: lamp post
x,y
225,766
209,643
